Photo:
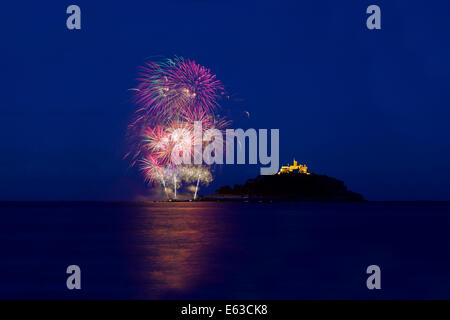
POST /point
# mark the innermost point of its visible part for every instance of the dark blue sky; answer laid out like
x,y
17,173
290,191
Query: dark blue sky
x,y
369,107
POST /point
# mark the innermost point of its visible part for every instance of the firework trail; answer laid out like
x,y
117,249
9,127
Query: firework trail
x,y
171,96
196,173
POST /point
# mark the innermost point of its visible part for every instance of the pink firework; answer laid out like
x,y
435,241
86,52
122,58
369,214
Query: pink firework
x,y
157,143
197,86
162,142
168,88
172,96
152,169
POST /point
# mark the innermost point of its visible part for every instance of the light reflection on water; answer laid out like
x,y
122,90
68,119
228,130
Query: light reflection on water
x,y
225,250
176,247
281,250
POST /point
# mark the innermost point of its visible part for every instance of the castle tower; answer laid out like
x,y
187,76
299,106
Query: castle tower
x,y
302,168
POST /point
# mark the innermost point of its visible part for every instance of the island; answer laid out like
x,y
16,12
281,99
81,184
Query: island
x,y
291,183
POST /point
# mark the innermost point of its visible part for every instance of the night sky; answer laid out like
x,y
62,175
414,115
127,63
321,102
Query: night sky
x,y
371,108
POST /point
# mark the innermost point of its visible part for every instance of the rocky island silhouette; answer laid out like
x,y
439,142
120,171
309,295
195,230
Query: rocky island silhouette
x,y
291,183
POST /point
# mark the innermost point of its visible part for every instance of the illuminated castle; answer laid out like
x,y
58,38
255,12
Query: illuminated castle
x,y
302,168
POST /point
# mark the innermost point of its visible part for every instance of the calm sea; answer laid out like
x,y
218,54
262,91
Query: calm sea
x,y
225,250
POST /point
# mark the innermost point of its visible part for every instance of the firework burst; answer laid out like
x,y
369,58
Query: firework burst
x,y
172,95
171,87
